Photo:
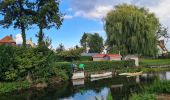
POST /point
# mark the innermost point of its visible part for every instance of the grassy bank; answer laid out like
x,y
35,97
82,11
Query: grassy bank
x,y
152,91
13,86
153,62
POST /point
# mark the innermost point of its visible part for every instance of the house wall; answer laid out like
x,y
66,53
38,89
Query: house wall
x,y
115,58
133,58
98,59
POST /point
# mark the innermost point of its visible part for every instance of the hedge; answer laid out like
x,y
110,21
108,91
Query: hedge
x,y
92,66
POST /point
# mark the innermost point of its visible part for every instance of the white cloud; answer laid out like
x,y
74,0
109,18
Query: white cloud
x,y
19,39
97,13
68,17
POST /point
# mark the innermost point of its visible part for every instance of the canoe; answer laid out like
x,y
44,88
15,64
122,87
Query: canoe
x,y
100,78
101,75
132,74
78,75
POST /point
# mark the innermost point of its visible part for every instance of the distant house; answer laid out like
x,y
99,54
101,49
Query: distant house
x,y
7,40
162,50
107,57
29,43
133,57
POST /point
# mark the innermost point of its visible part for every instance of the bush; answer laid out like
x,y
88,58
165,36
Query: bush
x,y
159,87
8,63
144,96
92,66
86,58
17,62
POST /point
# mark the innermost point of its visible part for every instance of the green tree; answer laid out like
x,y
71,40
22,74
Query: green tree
x,y
70,55
47,16
16,13
132,30
95,43
84,40
60,48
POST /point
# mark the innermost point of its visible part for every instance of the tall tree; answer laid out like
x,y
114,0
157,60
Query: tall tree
x,y
47,16
84,40
132,30
16,13
60,48
95,43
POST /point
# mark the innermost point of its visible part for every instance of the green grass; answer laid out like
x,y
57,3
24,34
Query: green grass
x,y
13,86
143,96
150,92
152,62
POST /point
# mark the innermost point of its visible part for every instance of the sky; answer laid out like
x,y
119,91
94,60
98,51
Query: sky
x,y
87,16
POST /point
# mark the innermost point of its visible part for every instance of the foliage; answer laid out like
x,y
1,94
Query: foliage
x,y
16,13
159,87
94,66
46,15
60,48
70,55
17,63
8,63
132,30
13,86
86,58
84,40
93,41
144,96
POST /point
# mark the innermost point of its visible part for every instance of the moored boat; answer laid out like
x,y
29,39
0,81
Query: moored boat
x,y
131,74
78,75
101,75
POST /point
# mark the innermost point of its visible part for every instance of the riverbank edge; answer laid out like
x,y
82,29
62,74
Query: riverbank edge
x,y
8,87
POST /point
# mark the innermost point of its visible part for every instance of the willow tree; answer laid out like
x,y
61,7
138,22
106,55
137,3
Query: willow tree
x,y
47,16
16,13
132,30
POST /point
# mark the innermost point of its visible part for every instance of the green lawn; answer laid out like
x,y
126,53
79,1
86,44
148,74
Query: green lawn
x,y
151,62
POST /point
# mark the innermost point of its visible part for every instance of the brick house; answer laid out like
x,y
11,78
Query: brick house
x,y
7,40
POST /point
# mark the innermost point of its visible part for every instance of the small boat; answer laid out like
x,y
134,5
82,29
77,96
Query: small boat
x,y
132,74
101,75
99,78
78,75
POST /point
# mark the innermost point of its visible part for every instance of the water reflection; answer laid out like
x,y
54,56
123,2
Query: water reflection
x,y
119,87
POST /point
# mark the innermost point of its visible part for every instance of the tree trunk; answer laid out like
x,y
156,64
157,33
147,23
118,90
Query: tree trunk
x,y
23,35
40,36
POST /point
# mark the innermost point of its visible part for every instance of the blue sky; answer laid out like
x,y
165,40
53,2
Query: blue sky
x,y
86,16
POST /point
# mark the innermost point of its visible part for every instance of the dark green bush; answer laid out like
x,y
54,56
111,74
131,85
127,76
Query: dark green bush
x,y
92,66
86,58
17,62
8,63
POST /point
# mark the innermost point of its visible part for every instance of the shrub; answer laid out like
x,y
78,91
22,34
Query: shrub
x,y
92,66
8,63
144,96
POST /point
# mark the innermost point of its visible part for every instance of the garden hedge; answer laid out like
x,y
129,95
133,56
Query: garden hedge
x,y
92,66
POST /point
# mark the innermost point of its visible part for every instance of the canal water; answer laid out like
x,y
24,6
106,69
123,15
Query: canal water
x,y
120,88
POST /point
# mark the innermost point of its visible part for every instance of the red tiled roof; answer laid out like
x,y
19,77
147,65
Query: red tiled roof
x,y
99,55
114,55
7,39
103,55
